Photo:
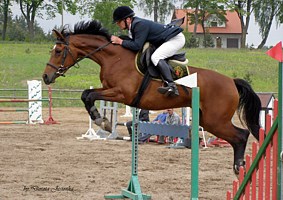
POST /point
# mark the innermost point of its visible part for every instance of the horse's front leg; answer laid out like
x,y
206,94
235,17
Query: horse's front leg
x,y
89,96
87,103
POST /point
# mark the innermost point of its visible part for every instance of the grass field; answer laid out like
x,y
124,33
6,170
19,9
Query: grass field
x,y
25,61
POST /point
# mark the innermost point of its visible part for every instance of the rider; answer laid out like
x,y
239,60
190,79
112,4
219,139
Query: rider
x,y
167,39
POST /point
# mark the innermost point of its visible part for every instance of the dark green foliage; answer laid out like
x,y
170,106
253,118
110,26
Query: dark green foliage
x,y
191,41
208,41
17,31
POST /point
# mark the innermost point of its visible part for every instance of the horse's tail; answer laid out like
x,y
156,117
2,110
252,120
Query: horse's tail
x,y
249,106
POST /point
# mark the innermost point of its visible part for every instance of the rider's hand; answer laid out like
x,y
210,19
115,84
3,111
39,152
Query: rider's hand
x,y
116,40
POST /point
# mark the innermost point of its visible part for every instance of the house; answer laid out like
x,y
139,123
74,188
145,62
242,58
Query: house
x,y
266,100
225,34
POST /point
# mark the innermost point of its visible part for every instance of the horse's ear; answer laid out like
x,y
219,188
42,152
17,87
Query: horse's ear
x,y
58,35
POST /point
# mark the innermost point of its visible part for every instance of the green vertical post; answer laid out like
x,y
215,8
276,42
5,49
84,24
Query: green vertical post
x,y
133,191
280,137
135,142
195,144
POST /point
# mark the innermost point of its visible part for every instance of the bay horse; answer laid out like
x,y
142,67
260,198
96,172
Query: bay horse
x,y
220,96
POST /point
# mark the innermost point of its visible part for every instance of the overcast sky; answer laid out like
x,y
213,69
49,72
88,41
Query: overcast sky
x,y
253,37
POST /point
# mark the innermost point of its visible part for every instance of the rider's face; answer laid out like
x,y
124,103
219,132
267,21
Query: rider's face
x,y
122,24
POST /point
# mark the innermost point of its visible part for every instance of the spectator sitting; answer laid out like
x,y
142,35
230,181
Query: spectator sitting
x,y
161,118
171,118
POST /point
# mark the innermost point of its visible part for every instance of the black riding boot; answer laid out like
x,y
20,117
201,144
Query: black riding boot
x,y
170,88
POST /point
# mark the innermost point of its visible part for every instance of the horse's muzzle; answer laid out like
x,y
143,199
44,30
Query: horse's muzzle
x,y
46,79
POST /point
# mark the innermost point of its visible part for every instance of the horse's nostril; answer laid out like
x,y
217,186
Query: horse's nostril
x,y
45,78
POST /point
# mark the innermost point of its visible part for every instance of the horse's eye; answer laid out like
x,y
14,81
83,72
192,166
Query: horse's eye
x,y
57,52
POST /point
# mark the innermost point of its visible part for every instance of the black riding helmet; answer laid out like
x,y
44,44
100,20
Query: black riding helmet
x,y
122,12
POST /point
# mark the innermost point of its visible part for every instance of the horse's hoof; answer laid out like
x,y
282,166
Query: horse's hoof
x,y
236,170
237,167
98,121
106,125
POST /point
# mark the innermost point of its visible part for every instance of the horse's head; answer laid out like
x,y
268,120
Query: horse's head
x,y
68,49
62,58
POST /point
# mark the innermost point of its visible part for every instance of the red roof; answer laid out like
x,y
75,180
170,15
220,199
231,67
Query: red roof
x,y
233,23
265,99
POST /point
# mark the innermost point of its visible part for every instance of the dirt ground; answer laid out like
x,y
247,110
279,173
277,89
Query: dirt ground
x,y
48,162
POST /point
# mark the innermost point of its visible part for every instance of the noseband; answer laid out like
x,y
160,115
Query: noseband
x,y
62,68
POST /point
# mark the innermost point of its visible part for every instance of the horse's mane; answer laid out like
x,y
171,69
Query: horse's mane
x,y
93,27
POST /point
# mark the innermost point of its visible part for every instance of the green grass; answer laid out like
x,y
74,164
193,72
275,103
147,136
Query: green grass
x,y
22,62
263,70
25,61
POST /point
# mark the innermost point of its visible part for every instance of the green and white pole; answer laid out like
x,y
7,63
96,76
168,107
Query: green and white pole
x,y
195,145
280,137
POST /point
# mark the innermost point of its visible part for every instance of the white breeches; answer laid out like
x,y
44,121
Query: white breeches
x,y
168,48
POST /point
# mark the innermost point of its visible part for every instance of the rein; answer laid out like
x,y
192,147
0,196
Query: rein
x,y
62,69
92,52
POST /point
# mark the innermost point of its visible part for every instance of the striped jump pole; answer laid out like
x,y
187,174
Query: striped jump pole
x,y
14,110
34,105
14,122
50,119
21,100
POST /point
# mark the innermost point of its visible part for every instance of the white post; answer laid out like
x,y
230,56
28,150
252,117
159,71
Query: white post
x,y
35,107
188,116
128,112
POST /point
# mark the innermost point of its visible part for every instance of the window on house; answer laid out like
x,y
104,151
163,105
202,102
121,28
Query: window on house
x,y
213,24
214,21
232,43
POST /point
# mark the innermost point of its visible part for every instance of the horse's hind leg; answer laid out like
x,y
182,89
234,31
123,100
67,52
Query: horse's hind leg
x,y
238,139
239,149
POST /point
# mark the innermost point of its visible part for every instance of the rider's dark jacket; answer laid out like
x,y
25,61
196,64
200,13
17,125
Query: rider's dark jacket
x,y
148,31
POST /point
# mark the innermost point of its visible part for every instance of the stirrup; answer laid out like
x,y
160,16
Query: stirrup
x,y
169,91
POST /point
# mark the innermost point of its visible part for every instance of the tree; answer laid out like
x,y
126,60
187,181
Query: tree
x,y
102,10
244,10
57,6
159,8
31,9
194,17
17,31
265,11
280,14
202,9
4,7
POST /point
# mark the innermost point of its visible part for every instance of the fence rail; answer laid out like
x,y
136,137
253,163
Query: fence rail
x,y
61,97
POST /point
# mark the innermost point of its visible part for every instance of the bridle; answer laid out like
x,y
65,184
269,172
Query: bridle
x,y
62,68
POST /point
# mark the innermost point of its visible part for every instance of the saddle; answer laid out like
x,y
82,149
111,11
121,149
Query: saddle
x,y
178,63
